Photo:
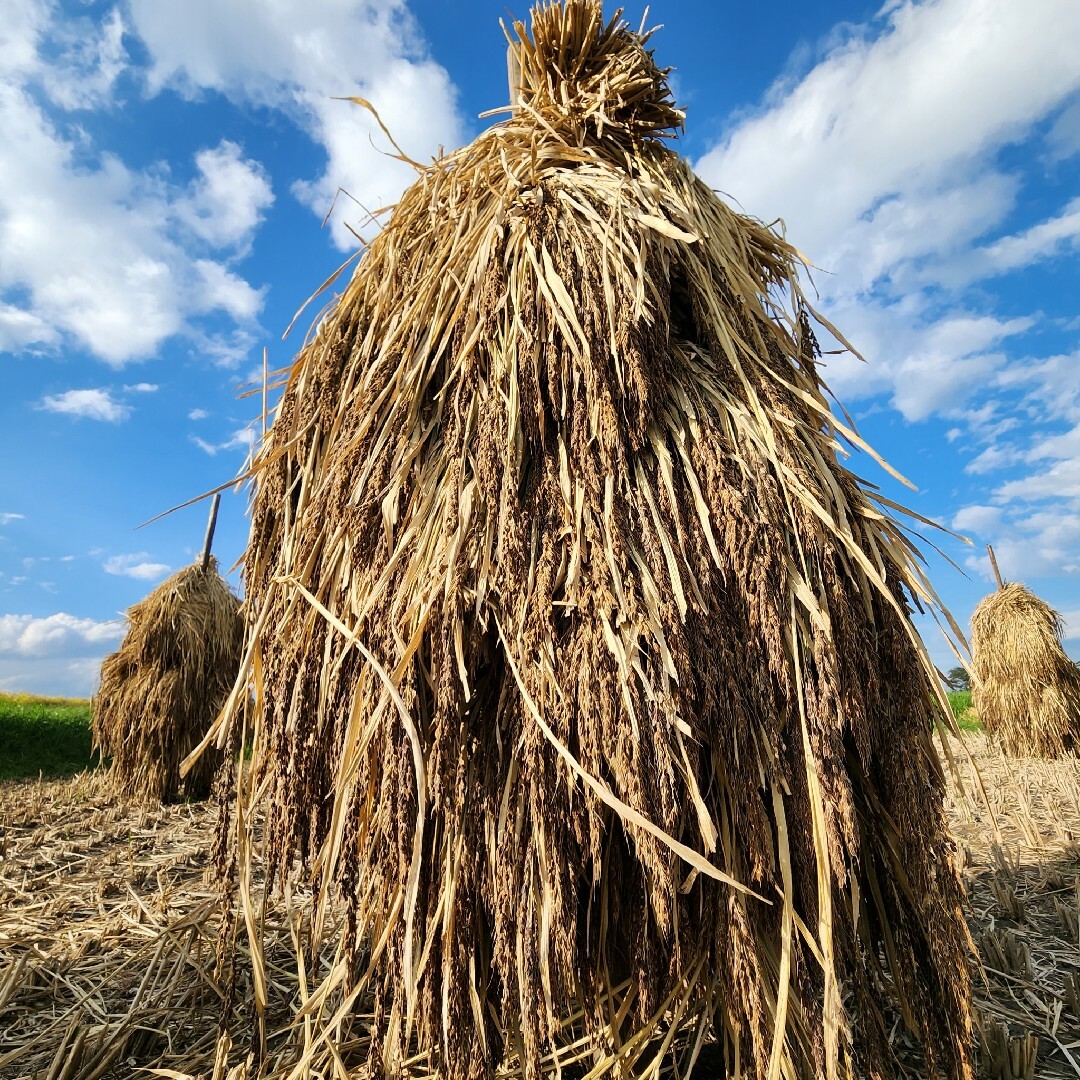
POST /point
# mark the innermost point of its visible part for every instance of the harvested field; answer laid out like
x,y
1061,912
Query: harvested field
x,y
1022,871
108,928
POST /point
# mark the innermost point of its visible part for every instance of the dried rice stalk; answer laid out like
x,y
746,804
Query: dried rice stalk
x,y
1026,689
1007,1056
582,671
162,689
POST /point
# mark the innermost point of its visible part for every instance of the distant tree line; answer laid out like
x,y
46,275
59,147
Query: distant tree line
x,y
958,679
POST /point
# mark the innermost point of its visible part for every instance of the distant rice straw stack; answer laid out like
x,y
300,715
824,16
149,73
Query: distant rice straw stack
x,y
582,673
1026,690
162,689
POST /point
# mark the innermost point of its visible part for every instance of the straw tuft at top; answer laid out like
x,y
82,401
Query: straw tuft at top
x,y
587,79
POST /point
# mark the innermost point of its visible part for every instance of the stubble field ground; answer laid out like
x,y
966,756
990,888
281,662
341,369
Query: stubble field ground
x,y
108,926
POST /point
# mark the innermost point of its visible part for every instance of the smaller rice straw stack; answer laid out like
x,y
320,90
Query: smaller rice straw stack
x,y
1026,689
161,690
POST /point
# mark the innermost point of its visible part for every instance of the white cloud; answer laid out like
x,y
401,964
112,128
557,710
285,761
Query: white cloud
x,y
53,676
135,566
977,519
197,414
221,289
1041,241
127,269
114,277
907,229
900,115
1051,398
928,365
19,329
1027,544
7,519
1064,137
991,459
241,439
142,388
1060,481
90,59
1071,619
89,404
226,202
27,635
22,25
297,57
227,350
884,162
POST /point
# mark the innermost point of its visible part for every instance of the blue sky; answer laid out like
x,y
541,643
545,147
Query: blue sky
x,y
166,169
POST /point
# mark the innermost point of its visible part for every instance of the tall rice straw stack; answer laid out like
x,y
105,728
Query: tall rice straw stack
x,y
583,672
162,689
1026,690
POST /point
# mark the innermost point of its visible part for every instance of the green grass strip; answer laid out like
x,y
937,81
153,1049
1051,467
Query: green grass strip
x,y
966,719
43,737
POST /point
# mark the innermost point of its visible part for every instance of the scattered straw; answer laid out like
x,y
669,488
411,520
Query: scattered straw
x,y
1021,858
100,897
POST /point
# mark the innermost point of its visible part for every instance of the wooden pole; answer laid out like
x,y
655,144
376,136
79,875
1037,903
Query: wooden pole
x,y
993,563
210,526
265,362
513,75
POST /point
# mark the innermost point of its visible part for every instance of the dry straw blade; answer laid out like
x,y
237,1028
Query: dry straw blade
x,y
583,677
1026,690
162,689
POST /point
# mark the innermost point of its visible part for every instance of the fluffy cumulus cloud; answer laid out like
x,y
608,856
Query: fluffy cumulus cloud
x,y
1031,464
884,161
241,439
298,58
897,125
137,565
1027,545
54,654
32,636
227,200
144,254
88,404
86,60
139,257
